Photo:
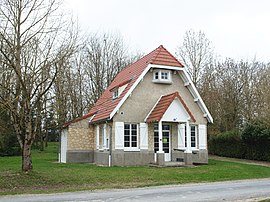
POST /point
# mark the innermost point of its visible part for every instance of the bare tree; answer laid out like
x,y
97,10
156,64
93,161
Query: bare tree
x,y
236,92
84,76
196,53
35,38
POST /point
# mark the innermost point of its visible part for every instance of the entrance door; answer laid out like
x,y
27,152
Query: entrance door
x,y
166,142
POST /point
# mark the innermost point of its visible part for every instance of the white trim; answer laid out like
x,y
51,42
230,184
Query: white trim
x,y
166,67
153,108
196,94
131,149
130,91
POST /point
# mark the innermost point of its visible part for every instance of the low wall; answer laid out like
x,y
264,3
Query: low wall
x,y
80,156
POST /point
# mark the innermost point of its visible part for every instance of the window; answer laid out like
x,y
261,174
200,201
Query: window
x,y
193,136
156,75
162,76
185,136
130,135
115,94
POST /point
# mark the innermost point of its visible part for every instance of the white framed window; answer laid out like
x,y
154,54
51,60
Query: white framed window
x,y
115,93
162,76
193,136
130,136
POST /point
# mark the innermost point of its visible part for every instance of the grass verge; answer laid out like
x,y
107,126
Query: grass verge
x,y
49,176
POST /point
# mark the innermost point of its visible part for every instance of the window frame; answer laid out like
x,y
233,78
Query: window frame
x,y
162,76
195,136
130,147
115,94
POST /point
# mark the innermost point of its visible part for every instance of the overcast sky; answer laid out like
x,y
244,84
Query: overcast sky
x,y
237,28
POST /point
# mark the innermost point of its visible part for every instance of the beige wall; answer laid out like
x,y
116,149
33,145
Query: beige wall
x,y
81,136
146,94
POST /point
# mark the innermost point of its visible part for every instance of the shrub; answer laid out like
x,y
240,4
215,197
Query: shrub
x,y
253,142
226,144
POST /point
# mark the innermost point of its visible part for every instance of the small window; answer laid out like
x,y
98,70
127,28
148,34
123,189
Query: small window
x,y
130,135
115,94
156,75
162,76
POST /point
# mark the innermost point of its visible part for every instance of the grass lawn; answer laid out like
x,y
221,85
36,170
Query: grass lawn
x,y
49,176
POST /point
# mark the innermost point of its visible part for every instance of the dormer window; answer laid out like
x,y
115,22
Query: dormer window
x,y
162,76
115,93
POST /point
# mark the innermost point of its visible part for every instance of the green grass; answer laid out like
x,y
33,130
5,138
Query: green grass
x,y
49,176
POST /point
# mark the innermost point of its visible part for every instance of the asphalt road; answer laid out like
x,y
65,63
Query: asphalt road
x,y
218,191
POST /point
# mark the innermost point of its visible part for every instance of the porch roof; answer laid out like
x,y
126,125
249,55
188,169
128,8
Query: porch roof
x,y
163,104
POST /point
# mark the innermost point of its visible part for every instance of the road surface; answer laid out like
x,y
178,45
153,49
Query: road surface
x,y
243,190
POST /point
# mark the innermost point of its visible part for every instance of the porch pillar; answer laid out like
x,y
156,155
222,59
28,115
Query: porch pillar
x,y
188,153
160,152
188,149
160,148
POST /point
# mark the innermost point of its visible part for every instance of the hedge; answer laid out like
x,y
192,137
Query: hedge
x,y
253,142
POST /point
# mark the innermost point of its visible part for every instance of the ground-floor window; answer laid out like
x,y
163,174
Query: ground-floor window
x,y
130,135
193,136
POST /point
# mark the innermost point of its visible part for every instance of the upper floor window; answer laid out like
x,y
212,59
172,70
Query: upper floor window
x,y
162,76
115,93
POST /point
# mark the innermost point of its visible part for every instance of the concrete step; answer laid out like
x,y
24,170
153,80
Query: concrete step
x,y
171,164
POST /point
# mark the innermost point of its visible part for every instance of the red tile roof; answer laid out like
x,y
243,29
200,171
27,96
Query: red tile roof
x,y
162,106
78,119
105,104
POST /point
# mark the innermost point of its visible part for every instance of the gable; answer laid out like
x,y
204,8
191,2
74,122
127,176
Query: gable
x,y
170,107
175,112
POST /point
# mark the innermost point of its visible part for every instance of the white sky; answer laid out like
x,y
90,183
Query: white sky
x,y
237,28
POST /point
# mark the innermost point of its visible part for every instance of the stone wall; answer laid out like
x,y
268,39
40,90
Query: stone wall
x,y
81,136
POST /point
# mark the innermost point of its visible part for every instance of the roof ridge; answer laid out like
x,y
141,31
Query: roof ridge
x,y
161,47
158,50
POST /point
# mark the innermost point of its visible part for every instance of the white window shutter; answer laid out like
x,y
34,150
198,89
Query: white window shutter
x,y
104,135
181,136
97,137
119,135
143,136
202,136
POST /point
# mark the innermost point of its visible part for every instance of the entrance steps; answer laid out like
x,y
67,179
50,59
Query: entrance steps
x,y
171,164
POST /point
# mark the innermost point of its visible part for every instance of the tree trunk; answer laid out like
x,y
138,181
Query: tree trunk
x,y
26,158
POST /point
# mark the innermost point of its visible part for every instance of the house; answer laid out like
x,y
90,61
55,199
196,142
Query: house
x,y
150,113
